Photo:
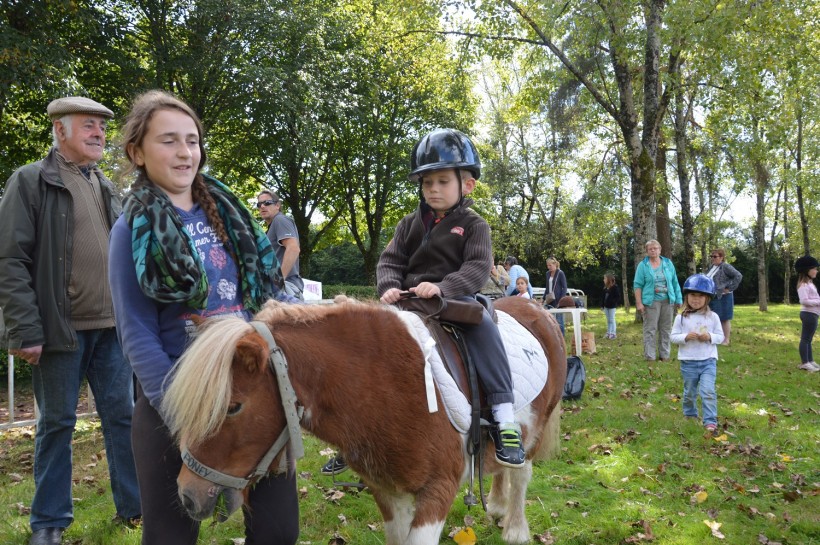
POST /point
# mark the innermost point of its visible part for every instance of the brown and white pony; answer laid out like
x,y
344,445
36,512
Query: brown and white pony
x,y
358,374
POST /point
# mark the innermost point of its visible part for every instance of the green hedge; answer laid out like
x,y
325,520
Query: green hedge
x,y
357,292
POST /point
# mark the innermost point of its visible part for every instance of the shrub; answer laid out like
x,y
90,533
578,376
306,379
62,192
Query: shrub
x,y
357,292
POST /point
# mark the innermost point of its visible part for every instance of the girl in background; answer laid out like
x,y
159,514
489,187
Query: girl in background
x,y
522,285
697,329
185,246
612,298
806,268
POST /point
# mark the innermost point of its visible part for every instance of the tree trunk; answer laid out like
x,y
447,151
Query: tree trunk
x,y
787,259
681,157
804,224
761,184
662,222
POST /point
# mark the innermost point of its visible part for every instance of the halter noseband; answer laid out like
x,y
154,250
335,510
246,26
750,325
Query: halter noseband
x,y
292,431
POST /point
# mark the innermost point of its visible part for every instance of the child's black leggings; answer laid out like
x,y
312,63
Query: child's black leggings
x,y
809,320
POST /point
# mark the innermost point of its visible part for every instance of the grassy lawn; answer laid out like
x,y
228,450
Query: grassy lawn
x,y
632,469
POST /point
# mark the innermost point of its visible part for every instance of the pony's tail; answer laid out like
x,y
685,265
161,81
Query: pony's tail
x,y
198,390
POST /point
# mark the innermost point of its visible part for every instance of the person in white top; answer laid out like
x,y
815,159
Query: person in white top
x,y
522,285
806,268
698,332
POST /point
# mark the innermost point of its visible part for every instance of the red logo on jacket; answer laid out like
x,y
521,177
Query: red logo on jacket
x,y
457,231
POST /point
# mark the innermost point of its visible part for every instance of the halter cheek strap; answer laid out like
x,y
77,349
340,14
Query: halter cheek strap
x,y
292,432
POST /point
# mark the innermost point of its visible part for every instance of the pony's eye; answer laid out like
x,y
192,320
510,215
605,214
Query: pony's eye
x,y
234,408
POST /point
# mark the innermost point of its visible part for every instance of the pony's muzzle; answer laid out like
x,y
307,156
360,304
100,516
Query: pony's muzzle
x,y
201,503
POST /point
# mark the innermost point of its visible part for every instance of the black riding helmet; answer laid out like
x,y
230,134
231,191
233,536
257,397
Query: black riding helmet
x,y
444,148
805,264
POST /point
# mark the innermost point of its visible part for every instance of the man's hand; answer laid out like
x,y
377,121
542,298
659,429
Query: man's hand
x,y
31,354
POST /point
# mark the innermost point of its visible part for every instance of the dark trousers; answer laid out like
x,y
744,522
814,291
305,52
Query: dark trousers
x,y
273,517
490,358
809,320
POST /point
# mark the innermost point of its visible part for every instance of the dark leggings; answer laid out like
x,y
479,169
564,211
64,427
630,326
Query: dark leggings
x,y
273,500
809,320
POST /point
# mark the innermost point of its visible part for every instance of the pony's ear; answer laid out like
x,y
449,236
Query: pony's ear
x,y
252,352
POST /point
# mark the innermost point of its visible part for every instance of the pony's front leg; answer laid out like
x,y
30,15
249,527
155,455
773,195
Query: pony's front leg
x,y
432,506
397,512
516,528
499,493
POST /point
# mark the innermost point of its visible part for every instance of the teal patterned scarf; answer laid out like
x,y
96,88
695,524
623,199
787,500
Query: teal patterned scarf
x,y
168,266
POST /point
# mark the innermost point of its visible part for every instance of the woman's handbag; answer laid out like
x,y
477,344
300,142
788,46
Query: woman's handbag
x,y
549,298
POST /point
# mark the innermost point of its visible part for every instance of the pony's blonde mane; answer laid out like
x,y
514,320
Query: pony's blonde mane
x,y
196,400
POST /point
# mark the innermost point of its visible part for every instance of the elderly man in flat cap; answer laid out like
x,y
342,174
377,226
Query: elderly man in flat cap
x,y
55,217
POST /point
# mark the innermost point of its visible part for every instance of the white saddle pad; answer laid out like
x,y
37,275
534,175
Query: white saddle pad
x,y
528,365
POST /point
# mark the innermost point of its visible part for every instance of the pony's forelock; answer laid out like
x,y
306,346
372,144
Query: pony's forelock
x,y
197,397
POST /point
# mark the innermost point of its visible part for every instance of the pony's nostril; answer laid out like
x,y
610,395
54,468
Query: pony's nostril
x,y
187,502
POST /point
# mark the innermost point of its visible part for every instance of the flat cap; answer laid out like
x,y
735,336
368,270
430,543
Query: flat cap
x,y
77,105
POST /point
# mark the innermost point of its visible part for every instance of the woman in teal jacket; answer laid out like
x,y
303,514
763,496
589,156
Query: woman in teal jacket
x,y
657,297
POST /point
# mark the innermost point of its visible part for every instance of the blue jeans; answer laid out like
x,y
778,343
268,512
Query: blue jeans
x,y
699,379
610,321
56,382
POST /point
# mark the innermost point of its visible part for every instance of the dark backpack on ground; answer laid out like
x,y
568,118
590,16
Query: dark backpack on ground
x,y
576,378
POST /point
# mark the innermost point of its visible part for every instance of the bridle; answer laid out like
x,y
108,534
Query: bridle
x,y
292,432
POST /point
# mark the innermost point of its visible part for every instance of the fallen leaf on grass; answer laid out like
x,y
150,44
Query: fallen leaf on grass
x,y
465,536
715,527
337,540
763,540
699,497
546,538
646,535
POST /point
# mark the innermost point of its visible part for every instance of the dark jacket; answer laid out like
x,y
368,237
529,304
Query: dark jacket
x,y
612,297
36,215
455,253
559,286
726,277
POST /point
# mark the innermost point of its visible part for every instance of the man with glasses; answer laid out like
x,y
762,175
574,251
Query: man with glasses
x,y
284,237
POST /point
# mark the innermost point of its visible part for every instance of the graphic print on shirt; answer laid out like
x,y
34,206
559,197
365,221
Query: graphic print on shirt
x,y
224,297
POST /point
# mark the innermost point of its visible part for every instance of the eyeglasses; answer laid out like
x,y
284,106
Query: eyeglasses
x,y
269,202
714,256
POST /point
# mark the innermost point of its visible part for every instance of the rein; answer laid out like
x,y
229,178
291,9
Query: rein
x,y
292,432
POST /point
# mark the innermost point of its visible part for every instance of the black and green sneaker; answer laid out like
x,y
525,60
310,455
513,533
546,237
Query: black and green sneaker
x,y
509,450
334,466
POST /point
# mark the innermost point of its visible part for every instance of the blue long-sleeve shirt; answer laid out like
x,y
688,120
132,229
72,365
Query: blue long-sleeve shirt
x,y
153,334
